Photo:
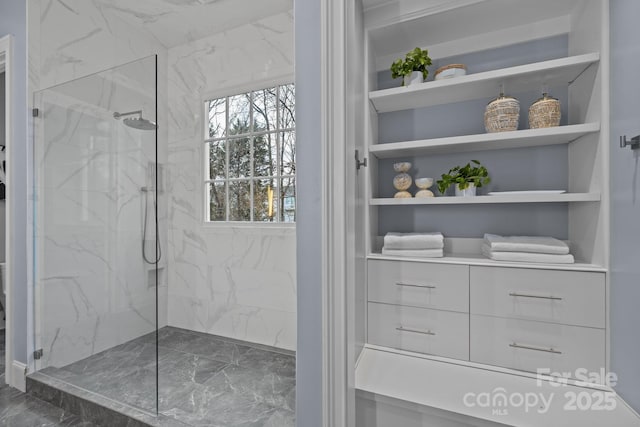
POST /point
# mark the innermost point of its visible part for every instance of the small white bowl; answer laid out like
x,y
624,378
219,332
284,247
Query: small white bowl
x,y
424,183
402,166
450,71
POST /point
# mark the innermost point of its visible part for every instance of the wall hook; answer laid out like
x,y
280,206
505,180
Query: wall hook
x,y
634,142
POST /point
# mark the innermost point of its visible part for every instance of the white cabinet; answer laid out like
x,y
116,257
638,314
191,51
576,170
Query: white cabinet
x,y
437,332
529,346
419,307
438,286
518,316
566,297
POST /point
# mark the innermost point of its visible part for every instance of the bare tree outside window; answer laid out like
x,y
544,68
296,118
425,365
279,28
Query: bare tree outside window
x,y
250,148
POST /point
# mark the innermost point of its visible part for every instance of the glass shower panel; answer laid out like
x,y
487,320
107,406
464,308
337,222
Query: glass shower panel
x,y
96,252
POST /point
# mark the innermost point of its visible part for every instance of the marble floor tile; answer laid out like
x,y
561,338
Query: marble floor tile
x,y
280,364
281,418
19,409
256,384
177,367
203,406
209,347
202,380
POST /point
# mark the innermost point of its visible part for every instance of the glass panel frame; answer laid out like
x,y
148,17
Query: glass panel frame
x,y
95,195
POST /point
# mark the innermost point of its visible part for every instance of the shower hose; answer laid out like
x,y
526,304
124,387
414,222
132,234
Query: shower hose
x,y
144,228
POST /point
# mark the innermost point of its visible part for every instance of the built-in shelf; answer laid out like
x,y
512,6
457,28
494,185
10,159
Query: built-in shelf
x,y
481,260
522,78
512,198
485,141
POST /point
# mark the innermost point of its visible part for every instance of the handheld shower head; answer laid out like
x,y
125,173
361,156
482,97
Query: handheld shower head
x,y
135,122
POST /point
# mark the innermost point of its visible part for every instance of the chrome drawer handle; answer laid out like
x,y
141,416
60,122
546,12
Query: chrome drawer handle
x,y
513,294
529,347
415,286
416,331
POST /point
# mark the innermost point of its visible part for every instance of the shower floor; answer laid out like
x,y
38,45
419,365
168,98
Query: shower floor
x,y
203,380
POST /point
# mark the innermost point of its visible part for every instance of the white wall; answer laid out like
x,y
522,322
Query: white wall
x,y
236,282
89,281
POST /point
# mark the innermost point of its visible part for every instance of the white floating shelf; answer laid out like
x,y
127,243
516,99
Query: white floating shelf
x,y
514,198
483,85
485,141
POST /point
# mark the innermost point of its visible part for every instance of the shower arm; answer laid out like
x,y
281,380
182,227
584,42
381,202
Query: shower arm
x,y
118,116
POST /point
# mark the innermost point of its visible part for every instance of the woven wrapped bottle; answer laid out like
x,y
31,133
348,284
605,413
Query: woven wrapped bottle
x,y
502,114
544,113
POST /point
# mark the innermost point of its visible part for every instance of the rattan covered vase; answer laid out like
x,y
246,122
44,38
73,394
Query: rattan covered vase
x,y
502,114
544,113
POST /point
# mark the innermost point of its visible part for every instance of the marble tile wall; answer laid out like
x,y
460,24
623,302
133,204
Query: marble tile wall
x,y
236,282
90,285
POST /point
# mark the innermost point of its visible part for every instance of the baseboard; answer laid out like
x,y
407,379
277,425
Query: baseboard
x,y
18,378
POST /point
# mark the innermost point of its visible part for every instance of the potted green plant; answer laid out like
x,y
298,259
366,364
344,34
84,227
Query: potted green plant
x,y
413,65
466,178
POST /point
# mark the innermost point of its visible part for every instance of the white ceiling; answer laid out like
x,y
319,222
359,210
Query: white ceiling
x,y
175,22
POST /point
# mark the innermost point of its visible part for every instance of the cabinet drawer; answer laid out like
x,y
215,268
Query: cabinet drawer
x,y
441,333
567,297
527,345
439,286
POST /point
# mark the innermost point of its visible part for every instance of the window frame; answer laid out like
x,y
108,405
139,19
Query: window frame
x,y
205,180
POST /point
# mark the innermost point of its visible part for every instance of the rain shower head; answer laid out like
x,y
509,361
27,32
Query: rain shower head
x,y
135,122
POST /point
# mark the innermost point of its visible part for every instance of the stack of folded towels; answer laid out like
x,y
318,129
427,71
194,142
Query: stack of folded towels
x,y
424,245
526,249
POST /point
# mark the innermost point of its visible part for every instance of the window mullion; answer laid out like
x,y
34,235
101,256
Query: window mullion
x,y
207,175
227,144
251,140
278,159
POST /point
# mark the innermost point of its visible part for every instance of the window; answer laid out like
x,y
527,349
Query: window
x,y
250,151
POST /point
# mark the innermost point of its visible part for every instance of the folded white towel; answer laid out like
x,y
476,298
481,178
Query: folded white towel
x,y
414,241
527,257
416,253
541,245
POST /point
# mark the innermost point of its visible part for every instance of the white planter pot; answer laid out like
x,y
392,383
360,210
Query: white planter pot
x,y
470,191
413,78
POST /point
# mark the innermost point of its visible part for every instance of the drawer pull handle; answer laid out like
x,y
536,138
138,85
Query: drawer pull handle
x,y
529,347
513,294
416,331
415,286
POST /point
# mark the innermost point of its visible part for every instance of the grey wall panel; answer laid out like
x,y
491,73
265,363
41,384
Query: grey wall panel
x,y
13,20
309,220
625,201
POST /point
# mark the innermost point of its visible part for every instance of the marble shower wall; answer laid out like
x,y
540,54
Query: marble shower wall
x,y
237,282
90,284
